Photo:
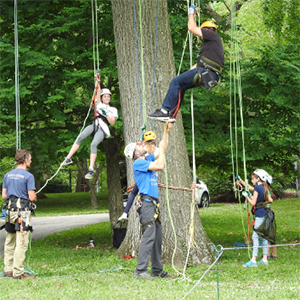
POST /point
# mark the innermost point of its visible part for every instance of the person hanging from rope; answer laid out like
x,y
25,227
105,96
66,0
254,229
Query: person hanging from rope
x,y
19,192
106,116
262,195
150,146
206,72
144,171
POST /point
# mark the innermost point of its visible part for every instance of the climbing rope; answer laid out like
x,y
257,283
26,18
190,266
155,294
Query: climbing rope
x,y
97,80
235,81
17,88
142,95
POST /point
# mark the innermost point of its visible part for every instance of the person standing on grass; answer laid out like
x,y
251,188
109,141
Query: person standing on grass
x,y
144,171
19,192
261,196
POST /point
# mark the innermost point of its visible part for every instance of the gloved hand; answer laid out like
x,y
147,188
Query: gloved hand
x,y
246,194
237,177
123,216
103,112
192,9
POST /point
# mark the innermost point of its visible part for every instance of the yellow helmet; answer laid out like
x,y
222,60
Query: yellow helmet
x,y
209,24
149,136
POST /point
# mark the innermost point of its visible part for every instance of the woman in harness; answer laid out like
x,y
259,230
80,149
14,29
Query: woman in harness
x,y
105,116
261,196
206,72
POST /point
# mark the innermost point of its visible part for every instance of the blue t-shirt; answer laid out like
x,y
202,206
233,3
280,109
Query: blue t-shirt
x,y
260,212
145,179
17,183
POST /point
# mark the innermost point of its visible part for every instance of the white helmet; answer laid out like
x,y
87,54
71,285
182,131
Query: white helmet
x,y
263,175
105,91
129,149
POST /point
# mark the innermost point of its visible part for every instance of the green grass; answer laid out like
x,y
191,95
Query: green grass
x,y
68,269
70,204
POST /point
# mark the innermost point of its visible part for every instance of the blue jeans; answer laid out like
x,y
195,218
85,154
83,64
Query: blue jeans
x,y
255,238
183,82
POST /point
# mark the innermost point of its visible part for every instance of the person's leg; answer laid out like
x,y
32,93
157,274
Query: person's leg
x,y
22,240
274,251
98,138
265,249
157,266
148,238
84,134
9,249
183,82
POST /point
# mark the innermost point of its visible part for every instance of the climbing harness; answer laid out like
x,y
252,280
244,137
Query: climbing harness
x,y
154,201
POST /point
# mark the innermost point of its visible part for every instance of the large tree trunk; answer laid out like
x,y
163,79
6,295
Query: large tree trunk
x,y
177,166
112,150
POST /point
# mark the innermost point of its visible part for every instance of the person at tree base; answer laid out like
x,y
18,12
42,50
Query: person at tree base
x,y
206,72
144,171
19,192
261,197
150,146
105,116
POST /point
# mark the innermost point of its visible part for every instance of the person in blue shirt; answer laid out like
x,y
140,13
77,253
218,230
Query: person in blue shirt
x,y
261,196
144,171
150,146
19,191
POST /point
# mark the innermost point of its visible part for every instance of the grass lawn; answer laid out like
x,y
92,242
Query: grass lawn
x,y
68,269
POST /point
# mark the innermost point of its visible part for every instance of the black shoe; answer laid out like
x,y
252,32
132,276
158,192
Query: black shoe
x,y
161,116
161,274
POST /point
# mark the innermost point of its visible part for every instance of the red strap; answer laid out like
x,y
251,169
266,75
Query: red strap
x,y
176,108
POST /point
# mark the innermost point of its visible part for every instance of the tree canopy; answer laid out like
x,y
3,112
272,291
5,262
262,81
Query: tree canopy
x,y
56,82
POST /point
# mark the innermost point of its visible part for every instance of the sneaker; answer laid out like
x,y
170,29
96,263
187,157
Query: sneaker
x,y
89,174
8,274
262,262
142,276
24,276
66,162
274,257
158,115
250,264
161,274
123,217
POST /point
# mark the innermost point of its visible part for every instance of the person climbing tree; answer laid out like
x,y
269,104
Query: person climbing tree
x,y
206,72
105,116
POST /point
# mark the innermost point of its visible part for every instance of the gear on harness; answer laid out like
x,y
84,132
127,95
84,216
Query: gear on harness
x,y
154,201
206,76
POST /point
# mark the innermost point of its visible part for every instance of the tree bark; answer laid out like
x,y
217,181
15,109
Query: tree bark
x,y
112,149
177,169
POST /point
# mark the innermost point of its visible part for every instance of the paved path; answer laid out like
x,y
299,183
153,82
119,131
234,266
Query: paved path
x,y
43,226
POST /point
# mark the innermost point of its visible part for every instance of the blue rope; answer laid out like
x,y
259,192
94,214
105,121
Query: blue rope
x,y
137,61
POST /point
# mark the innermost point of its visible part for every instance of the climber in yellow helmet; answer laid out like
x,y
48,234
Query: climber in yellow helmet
x,y
206,72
